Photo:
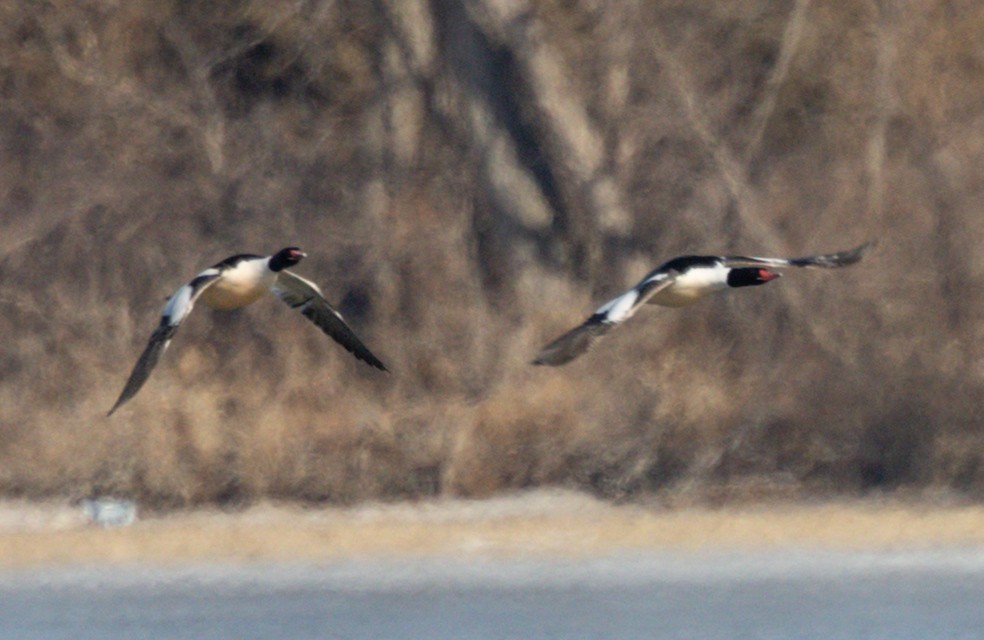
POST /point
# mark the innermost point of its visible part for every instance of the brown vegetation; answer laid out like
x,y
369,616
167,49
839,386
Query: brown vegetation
x,y
537,524
470,179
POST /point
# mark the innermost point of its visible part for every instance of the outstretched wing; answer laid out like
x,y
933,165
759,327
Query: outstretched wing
x,y
617,310
826,261
573,343
175,311
306,297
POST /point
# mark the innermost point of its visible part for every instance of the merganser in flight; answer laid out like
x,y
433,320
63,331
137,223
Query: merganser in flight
x,y
680,282
236,282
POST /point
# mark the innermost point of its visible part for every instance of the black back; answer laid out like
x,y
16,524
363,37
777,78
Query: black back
x,y
232,261
684,263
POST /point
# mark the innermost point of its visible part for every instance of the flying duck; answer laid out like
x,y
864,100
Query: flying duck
x,y
678,283
235,282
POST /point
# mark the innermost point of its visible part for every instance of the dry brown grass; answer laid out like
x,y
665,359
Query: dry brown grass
x,y
422,157
535,525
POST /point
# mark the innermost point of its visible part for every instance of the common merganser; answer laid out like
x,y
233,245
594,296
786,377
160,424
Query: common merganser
x,y
235,282
680,282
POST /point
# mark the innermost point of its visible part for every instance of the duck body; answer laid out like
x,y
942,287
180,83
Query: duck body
x,y
681,282
697,276
244,279
236,282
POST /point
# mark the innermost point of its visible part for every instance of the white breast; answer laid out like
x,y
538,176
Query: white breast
x,y
691,286
241,285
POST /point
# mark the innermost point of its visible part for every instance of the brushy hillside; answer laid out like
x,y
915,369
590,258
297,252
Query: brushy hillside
x,y
469,180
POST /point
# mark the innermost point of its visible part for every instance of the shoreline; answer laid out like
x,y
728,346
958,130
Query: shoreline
x,y
539,524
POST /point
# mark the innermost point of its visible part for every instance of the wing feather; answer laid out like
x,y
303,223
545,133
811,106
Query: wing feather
x,y
619,309
306,297
176,309
826,261
581,338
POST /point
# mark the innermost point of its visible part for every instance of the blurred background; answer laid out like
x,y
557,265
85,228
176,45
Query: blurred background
x,y
469,179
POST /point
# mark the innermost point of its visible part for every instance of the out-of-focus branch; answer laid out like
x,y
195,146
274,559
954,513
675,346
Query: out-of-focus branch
x,y
787,50
571,142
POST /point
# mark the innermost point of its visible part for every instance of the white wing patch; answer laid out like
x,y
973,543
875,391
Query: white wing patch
x,y
176,309
679,282
582,337
620,308
180,304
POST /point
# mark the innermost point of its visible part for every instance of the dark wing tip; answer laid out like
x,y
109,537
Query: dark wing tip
x,y
557,355
145,364
331,324
859,251
867,246
353,345
852,256
835,260
572,344
128,393
371,360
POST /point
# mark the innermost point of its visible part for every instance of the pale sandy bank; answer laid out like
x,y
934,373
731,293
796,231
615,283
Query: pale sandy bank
x,y
554,523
